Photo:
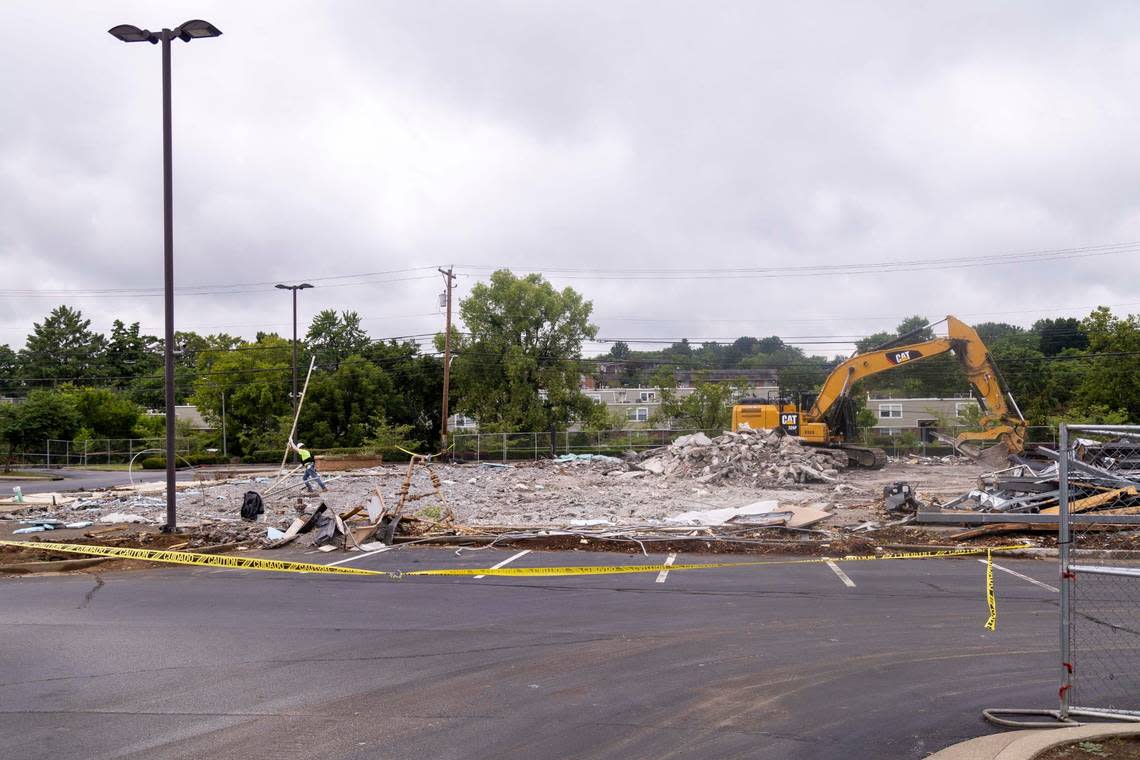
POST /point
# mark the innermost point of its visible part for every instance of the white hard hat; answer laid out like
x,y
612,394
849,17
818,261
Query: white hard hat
x,y
300,445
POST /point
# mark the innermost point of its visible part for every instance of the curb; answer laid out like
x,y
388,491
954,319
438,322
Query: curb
x,y
52,566
1025,745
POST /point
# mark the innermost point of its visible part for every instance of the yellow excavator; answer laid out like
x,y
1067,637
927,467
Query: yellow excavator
x,y
827,418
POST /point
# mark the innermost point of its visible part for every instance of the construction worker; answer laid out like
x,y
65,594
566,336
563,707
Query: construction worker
x,y
309,462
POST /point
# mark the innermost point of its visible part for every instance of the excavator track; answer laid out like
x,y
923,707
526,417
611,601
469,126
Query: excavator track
x,y
865,456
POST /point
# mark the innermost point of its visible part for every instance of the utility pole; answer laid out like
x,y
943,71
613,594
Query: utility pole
x,y
449,278
224,452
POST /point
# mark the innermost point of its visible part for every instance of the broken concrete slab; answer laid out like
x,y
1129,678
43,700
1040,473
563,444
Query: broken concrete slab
x,y
727,515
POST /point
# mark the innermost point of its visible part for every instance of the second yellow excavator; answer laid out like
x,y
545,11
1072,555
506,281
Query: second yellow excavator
x,y
827,418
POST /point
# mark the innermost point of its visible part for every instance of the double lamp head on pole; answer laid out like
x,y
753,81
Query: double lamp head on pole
x,y
191,30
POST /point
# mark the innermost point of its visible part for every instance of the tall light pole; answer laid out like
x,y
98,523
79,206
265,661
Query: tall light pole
x,y
191,30
294,288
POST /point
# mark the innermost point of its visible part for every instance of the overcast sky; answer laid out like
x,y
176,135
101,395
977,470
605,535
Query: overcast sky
x,y
320,140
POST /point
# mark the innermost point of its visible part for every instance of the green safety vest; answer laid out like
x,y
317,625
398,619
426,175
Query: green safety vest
x,y
305,455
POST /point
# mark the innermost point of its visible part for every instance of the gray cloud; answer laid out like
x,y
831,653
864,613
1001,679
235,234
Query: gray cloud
x,y
318,139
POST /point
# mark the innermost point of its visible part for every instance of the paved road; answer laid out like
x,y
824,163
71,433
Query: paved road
x,y
776,662
88,480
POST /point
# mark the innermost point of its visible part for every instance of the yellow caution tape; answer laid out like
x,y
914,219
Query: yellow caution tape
x,y
192,558
283,566
618,569
991,600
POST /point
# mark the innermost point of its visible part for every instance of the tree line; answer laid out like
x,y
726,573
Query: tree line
x,y
1065,369
516,367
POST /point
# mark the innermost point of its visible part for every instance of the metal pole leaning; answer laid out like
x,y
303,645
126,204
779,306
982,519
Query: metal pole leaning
x,y
297,414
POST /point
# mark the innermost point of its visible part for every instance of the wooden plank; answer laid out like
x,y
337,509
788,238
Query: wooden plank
x,y
1092,502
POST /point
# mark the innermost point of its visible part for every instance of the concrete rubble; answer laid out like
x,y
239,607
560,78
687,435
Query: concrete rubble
x,y
632,495
758,457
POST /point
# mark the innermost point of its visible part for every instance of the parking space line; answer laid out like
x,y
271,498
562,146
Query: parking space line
x,y
661,576
355,557
1016,574
507,561
842,575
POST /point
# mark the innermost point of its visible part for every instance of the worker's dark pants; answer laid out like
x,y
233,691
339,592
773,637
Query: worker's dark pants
x,y
312,474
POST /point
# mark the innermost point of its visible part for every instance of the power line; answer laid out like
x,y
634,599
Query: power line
x,y
830,269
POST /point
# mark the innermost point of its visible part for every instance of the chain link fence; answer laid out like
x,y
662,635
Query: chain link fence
x,y
1099,475
102,451
503,447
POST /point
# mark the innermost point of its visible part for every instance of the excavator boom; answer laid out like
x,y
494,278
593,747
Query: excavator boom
x,y
831,419
1002,421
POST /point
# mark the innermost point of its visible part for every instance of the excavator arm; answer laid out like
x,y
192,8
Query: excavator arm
x,y
1001,421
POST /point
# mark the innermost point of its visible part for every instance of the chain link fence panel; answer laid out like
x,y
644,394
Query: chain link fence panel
x,y
1099,473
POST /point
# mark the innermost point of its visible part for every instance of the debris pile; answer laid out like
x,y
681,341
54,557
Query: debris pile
x,y
762,457
1103,481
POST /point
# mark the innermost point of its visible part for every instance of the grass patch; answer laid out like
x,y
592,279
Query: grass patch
x,y
28,475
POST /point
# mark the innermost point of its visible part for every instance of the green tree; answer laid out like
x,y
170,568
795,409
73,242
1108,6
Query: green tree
x,y
419,379
256,379
191,351
62,348
103,413
1057,335
388,437
992,332
915,328
707,407
1090,415
45,414
9,371
620,350
341,407
332,338
1112,381
795,371
130,355
524,337
936,376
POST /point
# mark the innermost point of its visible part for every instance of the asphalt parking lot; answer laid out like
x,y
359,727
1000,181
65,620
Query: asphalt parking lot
x,y
864,660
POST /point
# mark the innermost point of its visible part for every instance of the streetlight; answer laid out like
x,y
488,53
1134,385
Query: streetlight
x,y
294,288
190,30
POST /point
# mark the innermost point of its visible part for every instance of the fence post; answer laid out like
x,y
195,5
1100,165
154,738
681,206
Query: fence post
x,y
49,453
1063,555
478,447
84,452
108,451
504,448
535,437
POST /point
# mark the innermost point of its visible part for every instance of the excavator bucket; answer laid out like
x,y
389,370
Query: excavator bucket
x,y
995,456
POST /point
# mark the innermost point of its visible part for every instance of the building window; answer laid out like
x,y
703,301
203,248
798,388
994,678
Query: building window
x,y
640,414
892,431
887,411
961,409
648,396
